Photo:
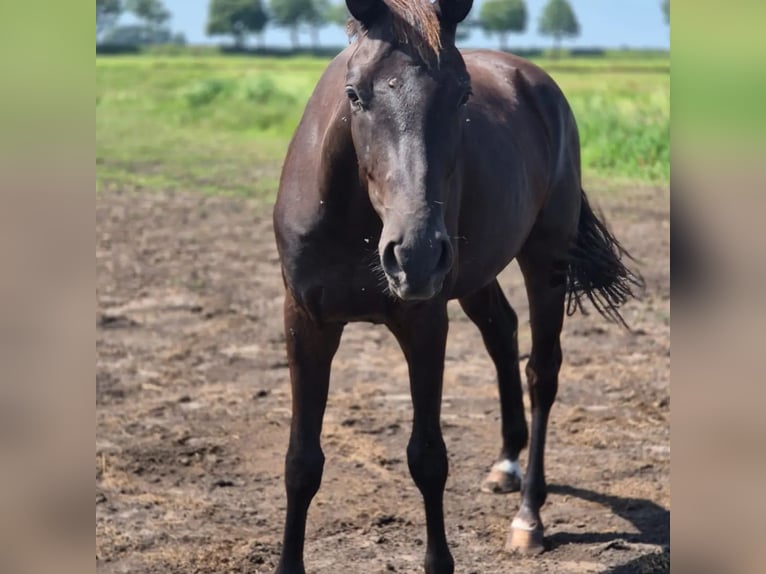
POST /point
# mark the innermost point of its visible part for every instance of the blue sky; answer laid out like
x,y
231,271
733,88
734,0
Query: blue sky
x,y
603,23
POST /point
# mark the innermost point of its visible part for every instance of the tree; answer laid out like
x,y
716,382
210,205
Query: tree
x,y
107,14
665,5
153,14
558,20
317,19
463,31
502,17
236,18
337,14
138,35
292,14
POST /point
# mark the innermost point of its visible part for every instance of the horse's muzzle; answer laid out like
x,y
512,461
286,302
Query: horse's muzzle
x,y
417,271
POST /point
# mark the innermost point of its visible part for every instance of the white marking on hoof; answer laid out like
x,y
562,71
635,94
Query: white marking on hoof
x,y
508,467
521,524
505,476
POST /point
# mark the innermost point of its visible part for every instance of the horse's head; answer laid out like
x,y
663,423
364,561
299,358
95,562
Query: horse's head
x,y
407,84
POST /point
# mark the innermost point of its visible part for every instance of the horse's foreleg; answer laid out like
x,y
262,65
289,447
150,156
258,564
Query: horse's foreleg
x,y
490,311
310,349
422,334
546,290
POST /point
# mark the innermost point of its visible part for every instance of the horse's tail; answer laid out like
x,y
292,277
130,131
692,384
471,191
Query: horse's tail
x,y
596,269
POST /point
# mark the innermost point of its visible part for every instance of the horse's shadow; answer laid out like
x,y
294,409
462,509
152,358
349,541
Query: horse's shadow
x,y
651,520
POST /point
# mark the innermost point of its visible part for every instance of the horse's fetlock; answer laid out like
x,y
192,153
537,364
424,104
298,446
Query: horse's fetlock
x,y
439,563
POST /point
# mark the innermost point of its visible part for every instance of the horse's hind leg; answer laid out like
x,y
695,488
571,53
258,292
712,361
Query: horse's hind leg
x,y
310,349
490,311
545,278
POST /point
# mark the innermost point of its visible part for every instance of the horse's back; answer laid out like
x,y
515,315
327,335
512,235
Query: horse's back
x,y
550,140
520,156
527,106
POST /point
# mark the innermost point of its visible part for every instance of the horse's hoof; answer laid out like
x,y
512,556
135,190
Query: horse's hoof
x,y
499,482
504,477
525,538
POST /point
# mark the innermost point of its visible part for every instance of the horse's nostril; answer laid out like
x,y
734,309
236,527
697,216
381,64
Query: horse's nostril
x,y
389,261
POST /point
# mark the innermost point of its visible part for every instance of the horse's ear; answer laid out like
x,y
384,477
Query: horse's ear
x,y
452,12
365,11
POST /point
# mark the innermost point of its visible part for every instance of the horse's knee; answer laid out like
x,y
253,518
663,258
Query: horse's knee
x,y
303,470
427,459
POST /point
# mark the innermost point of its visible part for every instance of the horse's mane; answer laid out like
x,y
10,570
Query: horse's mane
x,y
413,22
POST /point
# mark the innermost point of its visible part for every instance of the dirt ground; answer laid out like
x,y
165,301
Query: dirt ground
x,y
193,412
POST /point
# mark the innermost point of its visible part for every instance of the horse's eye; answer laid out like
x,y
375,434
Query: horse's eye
x,y
353,97
465,98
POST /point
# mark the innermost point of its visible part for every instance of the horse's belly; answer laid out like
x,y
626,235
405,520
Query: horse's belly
x,y
474,274
488,241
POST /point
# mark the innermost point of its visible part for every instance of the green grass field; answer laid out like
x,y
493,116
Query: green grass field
x,y
221,124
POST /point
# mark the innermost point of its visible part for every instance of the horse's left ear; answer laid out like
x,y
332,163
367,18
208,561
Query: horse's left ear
x,y
452,12
365,11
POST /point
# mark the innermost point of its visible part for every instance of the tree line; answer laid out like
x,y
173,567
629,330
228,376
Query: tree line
x,y
151,28
242,19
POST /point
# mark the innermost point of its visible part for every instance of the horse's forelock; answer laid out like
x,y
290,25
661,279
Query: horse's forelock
x,y
414,22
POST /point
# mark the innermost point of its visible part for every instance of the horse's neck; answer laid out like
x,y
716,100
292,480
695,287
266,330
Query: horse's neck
x,y
338,170
344,201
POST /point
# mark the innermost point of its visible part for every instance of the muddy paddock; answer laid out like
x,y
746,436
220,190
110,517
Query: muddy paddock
x,y
193,412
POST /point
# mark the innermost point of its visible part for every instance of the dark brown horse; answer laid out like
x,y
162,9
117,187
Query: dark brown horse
x,y
415,176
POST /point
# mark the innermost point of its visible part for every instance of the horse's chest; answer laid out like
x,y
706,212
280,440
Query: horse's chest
x,y
335,281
